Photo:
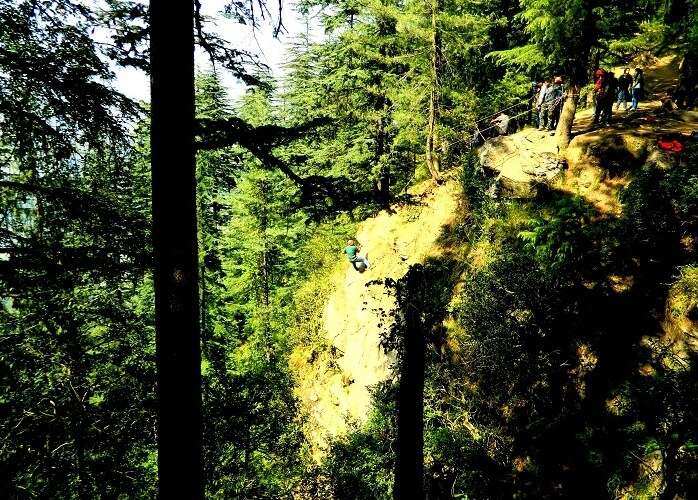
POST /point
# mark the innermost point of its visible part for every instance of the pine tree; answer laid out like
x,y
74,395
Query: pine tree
x,y
248,231
353,80
433,160
77,357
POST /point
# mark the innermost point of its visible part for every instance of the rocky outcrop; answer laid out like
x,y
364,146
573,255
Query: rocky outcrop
x,y
335,387
522,170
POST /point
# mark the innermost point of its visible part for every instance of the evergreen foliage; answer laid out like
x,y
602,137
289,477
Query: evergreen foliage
x,y
542,377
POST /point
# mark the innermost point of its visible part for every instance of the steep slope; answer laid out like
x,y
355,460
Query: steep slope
x,y
602,162
334,383
335,386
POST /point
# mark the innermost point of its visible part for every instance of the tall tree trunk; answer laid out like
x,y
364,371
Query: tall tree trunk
x,y
383,183
433,161
204,302
564,125
595,62
432,157
265,268
409,466
577,72
77,386
386,27
264,264
175,245
675,10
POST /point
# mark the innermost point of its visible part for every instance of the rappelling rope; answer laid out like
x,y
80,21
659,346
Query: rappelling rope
x,y
477,130
521,102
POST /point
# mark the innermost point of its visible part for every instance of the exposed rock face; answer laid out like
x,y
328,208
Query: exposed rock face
x,y
607,149
630,143
335,389
602,160
522,167
548,167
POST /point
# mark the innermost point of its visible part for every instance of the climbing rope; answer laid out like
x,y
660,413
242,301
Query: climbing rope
x,y
477,130
521,102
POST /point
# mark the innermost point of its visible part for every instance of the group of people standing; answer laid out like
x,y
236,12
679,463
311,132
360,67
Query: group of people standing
x,y
547,96
545,99
609,90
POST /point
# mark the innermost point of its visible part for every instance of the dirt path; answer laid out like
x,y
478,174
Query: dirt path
x,y
599,158
336,392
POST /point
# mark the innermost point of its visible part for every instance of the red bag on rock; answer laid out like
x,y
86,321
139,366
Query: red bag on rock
x,y
670,145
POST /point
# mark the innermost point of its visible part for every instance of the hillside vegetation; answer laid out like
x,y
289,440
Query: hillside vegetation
x,y
527,326
357,309
569,325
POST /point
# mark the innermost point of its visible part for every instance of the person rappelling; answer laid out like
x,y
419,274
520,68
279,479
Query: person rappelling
x,y
359,262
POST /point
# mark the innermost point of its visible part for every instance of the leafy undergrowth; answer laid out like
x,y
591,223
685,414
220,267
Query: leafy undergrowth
x,y
319,257
563,340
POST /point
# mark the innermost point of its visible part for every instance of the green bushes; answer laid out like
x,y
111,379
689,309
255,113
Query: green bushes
x,y
315,262
356,468
474,182
559,242
536,383
659,208
359,465
511,313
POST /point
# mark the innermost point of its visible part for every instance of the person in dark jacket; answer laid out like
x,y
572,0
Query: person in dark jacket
x,y
557,108
533,91
539,100
625,81
688,81
637,88
610,91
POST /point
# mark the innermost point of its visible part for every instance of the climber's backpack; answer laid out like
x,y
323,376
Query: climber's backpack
x,y
670,145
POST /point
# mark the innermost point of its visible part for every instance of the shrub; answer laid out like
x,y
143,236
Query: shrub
x,y
560,243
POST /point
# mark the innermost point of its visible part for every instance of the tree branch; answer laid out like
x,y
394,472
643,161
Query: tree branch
x,y
316,190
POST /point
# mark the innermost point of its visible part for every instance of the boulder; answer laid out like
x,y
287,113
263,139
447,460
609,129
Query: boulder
x,y
520,172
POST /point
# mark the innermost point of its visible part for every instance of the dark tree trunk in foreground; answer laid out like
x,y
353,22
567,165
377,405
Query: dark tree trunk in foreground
x,y
175,245
409,466
386,28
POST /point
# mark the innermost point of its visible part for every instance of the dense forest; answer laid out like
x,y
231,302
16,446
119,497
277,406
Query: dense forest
x,y
547,350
